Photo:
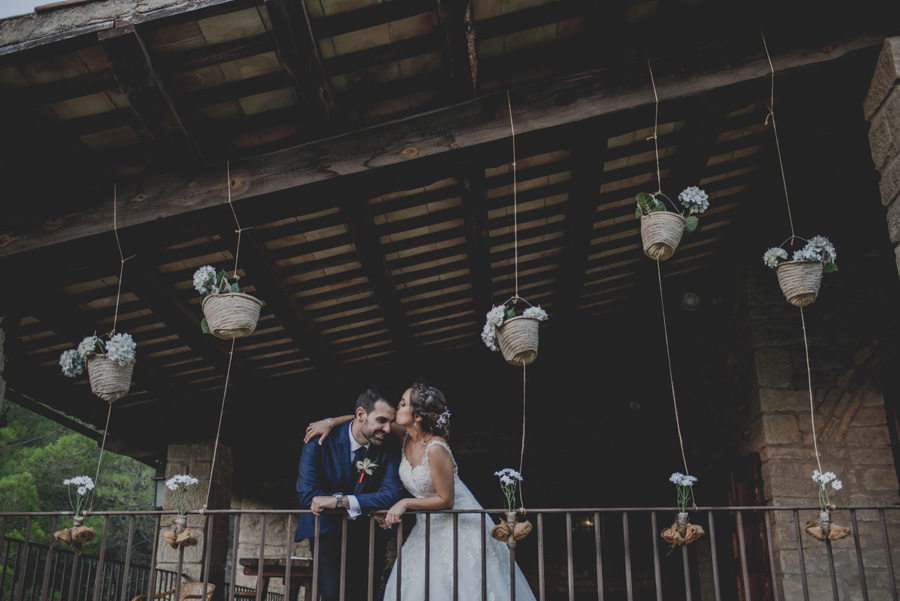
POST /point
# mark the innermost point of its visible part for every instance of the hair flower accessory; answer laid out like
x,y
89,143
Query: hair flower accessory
x,y
443,419
365,467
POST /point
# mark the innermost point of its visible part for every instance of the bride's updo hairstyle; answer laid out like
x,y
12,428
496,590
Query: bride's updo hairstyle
x,y
429,403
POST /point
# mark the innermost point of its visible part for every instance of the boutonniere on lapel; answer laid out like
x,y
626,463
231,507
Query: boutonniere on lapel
x,y
365,467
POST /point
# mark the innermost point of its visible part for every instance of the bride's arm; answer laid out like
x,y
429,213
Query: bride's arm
x,y
441,465
323,427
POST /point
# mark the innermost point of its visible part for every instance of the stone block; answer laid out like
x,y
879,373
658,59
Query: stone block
x,y
781,399
886,76
890,180
869,416
872,398
893,221
872,456
879,479
882,135
773,367
870,436
780,429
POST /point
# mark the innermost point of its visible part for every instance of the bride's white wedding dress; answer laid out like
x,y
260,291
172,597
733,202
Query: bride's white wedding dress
x,y
417,480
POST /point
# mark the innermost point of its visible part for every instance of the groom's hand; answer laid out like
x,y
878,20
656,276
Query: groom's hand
x,y
320,504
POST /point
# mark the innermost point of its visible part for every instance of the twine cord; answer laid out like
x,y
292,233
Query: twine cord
x,y
237,252
662,305
100,459
122,258
512,130
771,115
655,135
522,452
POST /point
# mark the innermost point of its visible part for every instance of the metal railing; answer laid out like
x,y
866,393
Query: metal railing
x,y
608,554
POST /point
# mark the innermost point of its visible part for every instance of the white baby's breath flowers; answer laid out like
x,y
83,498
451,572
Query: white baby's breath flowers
x,y
774,256
71,363
205,280
82,485
535,313
493,320
121,349
509,481
694,199
88,346
85,482
175,482
818,248
826,498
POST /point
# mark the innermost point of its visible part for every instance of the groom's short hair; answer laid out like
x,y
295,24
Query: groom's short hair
x,y
370,396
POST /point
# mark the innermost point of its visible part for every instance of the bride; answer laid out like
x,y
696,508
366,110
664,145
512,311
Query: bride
x,y
429,473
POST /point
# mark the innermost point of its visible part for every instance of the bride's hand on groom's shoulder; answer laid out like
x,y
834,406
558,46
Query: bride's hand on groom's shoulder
x,y
321,428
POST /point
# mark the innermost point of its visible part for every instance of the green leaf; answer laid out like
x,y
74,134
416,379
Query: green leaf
x,y
637,213
235,287
643,199
830,267
205,326
510,312
221,276
690,224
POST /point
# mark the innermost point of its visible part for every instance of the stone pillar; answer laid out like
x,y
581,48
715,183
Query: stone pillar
x,y
195,459
278,538
850,425
882,110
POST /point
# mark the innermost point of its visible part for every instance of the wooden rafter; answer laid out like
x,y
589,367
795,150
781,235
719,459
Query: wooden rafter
x,y
299,50
271,286
545,112
372,257
142,86
457,19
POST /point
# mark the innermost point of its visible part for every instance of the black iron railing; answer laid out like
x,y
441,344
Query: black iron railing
x,y
609,554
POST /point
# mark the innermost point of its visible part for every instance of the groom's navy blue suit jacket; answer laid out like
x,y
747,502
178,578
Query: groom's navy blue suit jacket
x,y
327,469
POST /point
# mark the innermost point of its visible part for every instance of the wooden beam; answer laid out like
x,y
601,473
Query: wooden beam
x,y
587,176
369,16
206,56
457,20
372,257
299,50
420,146
271,286
474,200
143,88
388,53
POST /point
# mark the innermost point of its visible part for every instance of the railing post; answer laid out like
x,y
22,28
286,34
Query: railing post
x,y
98,581
151,587
20,590
207,549
629,588
859,557
49,561
125,578
234,556
570,559
598,543
657,577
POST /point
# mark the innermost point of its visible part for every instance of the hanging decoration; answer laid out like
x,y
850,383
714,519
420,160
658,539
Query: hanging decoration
x,y
228,313
516,337
181,535
511,528
661,229
799,279
660,245
78,534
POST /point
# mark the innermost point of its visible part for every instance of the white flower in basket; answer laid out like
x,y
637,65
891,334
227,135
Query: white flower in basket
x,y
661,229
515,336
228,313
109,363
801,276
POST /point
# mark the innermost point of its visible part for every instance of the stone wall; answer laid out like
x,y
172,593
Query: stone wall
x,y
882,111
849,342
195,459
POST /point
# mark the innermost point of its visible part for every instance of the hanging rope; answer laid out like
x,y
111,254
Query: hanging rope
x,y
100,458
512,129
655,135
771,115
122,258
662,302
522,452
237,252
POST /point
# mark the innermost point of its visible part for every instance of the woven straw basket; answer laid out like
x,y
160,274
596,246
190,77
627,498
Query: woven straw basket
x,y
661,232
518,339
231,315
800,280
109,380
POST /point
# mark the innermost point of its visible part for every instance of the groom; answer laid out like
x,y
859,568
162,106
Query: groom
x,y
330,480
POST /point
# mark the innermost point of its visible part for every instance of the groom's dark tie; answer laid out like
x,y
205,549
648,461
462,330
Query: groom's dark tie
x,y
358,455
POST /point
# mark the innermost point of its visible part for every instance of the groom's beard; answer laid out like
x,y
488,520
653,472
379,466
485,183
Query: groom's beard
x,y
375,437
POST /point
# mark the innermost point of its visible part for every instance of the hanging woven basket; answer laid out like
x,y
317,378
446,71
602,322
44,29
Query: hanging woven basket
x,y
800,281
109,380
661,232
231,315
518,338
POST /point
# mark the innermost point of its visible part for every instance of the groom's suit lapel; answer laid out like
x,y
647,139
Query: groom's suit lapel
x,y
343,454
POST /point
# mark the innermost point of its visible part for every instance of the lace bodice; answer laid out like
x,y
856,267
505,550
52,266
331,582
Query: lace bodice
x,y
417,478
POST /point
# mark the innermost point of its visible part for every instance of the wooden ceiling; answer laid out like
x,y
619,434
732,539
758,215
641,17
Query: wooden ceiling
x,y
370,158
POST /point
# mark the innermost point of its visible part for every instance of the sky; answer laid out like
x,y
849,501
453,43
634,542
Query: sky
x,y
11,8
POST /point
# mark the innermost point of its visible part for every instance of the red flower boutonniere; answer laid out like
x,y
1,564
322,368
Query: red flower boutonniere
x,y
365,467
